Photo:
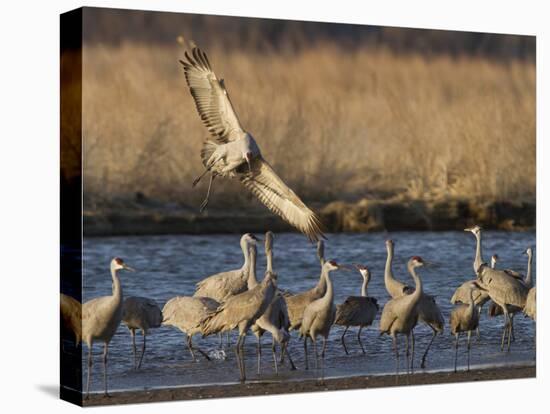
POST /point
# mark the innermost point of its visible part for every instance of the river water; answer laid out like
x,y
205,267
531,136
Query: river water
x,y
169,266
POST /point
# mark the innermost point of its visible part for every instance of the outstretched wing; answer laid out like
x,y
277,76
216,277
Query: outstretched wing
x,y
265,184
211,98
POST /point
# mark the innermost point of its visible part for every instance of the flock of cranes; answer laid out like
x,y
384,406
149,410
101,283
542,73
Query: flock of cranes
x,y
243,303
237,300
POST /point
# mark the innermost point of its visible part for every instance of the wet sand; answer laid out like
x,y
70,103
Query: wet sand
x,y
329,384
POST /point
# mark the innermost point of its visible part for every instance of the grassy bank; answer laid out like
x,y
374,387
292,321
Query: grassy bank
x,y
336,125
147,217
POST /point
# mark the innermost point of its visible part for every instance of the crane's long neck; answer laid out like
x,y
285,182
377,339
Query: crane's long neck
x,y
364,287
244,247
388,273
252,282
117,287
322,284
329,294
269,257
418,284
478,259
528,277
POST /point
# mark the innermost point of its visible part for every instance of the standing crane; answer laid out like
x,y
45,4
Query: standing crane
x,y
297,303
241,311
222,286
496,310
275,319
319,315
400,315
478,259
100,319
187,313
140,313
465,318
428,311
506,291
235,154
357,310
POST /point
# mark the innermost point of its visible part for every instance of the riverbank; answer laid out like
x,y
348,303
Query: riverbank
x,y
143,216
329,384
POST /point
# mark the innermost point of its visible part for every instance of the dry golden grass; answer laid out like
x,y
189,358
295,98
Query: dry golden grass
x,y
335,125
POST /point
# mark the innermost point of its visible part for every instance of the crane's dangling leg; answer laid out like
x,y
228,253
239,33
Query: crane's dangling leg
x,y
89,370
105,351
359,339
512,327
456,347
324,347
423,363
469,335
142,349
274,352
221,340
207,199
344,341
259,352
133,333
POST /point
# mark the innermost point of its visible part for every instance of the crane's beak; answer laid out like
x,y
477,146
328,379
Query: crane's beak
x,y
345,268
130,269
430,264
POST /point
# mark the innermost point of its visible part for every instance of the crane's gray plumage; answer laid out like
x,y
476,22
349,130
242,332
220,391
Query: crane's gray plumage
x,y
357,310
427,308
297,303
506,291
236,153
319,315
275,319
100,319
187,313
465,318
496,310
400,315
241,311
462,294
71,316
140,313
222,286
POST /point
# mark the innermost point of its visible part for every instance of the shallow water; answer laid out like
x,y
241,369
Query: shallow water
x,y
169,266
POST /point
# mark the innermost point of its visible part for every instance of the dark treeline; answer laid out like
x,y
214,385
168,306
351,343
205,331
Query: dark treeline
x,y
115,26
